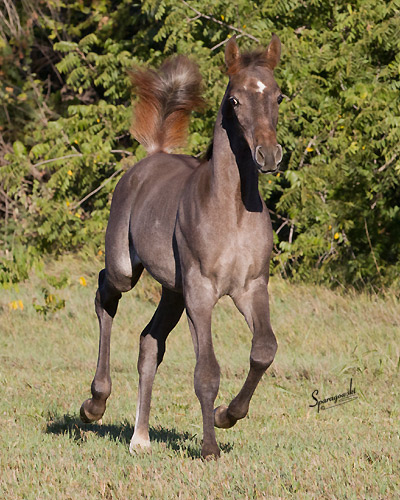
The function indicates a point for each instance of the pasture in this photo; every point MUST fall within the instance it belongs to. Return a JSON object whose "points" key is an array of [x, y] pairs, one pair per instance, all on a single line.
{"points": [[283, 449]]}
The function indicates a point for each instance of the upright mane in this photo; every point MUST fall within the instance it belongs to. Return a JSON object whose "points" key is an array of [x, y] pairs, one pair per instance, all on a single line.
{"points": [[249, 59], [165, 100]]}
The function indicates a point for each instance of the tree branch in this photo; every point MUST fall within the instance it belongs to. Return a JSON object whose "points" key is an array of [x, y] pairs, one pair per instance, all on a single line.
{"points": [[56, 159], [380, 169], [303, 157], [97, 189], [215, 20], [223, 42], [122, 151]]}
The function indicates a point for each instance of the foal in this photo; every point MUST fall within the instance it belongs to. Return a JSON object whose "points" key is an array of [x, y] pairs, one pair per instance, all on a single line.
{"points": [[199, 227]]}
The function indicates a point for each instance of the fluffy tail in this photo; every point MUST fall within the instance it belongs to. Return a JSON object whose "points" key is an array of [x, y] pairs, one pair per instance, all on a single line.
{"points": [[166, 99]]}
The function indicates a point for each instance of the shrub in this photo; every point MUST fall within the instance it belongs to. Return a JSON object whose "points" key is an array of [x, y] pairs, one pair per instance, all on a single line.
{"points": [[66, 114]]}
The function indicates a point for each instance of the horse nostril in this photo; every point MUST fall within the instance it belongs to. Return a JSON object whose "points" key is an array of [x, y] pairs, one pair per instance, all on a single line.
{"points": [[278, 154], [260, 156]]}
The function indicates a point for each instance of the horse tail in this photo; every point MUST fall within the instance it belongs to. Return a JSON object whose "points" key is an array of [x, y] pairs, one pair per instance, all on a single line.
{"points": [[165, 100]]}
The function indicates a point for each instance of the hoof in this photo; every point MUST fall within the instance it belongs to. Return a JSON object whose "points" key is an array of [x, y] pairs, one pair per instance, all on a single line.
{"points": [[222, 419], [92, 410], [139, 445], [210, 452]]}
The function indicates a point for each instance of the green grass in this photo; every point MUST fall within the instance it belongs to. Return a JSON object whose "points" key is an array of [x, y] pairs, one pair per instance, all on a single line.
{"points": [[283, 449]]}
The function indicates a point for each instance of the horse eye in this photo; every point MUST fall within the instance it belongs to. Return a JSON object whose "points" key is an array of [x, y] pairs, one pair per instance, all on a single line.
{"points": [[280, 98], [234, 101]]}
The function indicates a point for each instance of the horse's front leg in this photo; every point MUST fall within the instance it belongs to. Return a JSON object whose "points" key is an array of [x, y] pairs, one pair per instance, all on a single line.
{"points": [[254, 305], [199, 303]]}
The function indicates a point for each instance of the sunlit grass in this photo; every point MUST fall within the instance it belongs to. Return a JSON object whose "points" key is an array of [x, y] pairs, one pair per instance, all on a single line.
{"points": [[283, 449]]}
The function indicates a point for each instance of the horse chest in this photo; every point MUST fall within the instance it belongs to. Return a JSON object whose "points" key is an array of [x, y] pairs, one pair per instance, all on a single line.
{"points": [[243, 256], [230, 255]]}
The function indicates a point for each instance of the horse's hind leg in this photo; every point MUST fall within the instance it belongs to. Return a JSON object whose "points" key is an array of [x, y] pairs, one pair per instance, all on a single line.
{"points": [[151, 352], [254, 305], [106, 303]]}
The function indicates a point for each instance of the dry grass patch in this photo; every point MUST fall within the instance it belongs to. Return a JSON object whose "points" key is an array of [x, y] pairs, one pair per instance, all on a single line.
{"points": [[283, 449]]}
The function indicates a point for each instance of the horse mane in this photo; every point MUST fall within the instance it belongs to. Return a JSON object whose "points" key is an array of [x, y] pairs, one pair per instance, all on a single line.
{"points": [[165, 100], [207, 154], [249, 59]]}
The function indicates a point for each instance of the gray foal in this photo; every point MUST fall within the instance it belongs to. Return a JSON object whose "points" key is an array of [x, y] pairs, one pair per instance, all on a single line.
{"points": [[199, 227]]}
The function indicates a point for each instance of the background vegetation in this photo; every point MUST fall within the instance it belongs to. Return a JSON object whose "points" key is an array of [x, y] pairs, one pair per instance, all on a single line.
{"points": [[284, 449], [66, 106]]}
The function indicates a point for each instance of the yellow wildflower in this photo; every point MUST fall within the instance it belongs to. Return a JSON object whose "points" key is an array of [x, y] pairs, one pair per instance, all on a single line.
{"points": [[309, 149], [336, 236], [16, 304], [222, 17], [82, 281], [70, 173], [329, 227]]}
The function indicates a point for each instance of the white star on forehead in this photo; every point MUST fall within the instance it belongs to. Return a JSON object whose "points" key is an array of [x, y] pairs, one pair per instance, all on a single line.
{"points": [[260, 86]]}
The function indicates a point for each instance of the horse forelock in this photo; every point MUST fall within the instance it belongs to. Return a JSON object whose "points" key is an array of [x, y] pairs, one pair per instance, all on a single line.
{"points": [[247, 60]]}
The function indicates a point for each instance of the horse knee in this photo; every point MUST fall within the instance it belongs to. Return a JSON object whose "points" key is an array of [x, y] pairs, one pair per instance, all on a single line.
{"points": [[262, 356]]}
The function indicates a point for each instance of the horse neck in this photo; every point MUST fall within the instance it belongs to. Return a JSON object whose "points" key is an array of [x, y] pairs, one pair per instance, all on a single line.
{"points": [[234, 178]]}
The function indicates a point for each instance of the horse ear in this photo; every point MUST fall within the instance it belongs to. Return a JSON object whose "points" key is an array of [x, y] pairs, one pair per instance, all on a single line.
{"points": [[273, 52], [232, 53]]}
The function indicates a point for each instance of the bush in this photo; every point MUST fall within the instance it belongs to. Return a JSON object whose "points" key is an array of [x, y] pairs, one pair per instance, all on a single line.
{"points": [[66, 115]]}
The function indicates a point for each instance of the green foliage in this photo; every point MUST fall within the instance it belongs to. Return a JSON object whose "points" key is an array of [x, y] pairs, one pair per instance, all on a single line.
{"points": [[66, 115], [51, 304]]}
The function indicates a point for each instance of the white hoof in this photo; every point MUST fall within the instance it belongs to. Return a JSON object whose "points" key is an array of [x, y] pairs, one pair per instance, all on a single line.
{"points": [[139, 444]]}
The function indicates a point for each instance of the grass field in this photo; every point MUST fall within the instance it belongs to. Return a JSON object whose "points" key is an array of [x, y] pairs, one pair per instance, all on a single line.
{"points": [[283, 449]]}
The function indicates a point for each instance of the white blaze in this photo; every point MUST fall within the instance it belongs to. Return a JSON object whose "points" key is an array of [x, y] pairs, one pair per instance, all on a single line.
{"points": [[260, 86]]}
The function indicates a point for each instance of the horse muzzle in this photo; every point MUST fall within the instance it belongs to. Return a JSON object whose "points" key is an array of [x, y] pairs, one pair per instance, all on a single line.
{"points": [[267, 160]]}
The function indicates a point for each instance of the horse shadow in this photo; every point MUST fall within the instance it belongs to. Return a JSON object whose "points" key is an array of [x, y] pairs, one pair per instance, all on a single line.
{"points": [[182, 443]]}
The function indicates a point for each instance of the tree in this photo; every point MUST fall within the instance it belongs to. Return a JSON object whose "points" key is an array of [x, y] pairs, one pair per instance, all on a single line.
{"points": [[66, 114]]}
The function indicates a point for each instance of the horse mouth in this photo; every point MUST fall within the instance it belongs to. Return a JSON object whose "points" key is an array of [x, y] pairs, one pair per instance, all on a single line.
{"points": [[266, 170]]}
